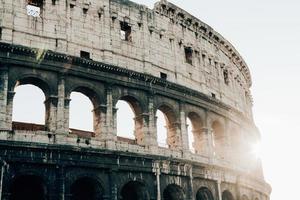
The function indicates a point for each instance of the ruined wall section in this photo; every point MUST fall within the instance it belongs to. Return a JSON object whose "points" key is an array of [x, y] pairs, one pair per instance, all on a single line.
{"points": [[156, 46]]}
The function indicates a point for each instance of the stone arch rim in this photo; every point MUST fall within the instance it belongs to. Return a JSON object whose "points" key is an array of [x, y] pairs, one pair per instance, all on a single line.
{"points": [[43, 85]]}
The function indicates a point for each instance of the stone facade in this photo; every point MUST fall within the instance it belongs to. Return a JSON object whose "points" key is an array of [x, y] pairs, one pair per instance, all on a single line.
{"points": [[161, 59]]}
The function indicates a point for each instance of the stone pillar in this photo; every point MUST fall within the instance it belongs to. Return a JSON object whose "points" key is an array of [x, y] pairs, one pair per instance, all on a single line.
{"points": [[208, 133], [3, 166], [140, 129], [107, 114], [219, 189], [209, 146], [51, 113], [66, 121], [157, 174], [97, 121], [61, 127], [183, 129], [174, 136], [3, 97], [61, 183], [150, 124], [9, 109], [191, 185], [113, 184]]}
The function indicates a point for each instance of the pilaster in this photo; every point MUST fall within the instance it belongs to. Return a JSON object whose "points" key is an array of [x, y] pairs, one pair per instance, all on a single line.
{"points": [[51, 113], [3, 97]]}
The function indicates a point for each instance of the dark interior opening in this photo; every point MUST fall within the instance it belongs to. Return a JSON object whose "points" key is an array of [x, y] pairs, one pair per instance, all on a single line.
{"points": [[125, 31], [84, 54], [28, 187], [173, 192], [188, 55], [134, 191], [86, 189]]}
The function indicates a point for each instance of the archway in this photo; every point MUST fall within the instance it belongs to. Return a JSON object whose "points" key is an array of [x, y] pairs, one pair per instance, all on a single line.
{"points": [[197, 141], [204, 194], [81, 116], [28, 187], [226, 195], [134, 190], [173, 192], [86, 189], [219, 139], [84, 113], [130, 120], [244, 197], [162, 132], [166, 127], [28, 105]]}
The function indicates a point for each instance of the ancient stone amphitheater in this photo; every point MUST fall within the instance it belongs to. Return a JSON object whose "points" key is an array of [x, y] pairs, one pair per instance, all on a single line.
{"points": [[154, 59]]}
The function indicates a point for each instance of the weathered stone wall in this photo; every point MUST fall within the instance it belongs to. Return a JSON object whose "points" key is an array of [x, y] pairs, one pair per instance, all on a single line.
{"points": [[157, 42], [45, 51]]}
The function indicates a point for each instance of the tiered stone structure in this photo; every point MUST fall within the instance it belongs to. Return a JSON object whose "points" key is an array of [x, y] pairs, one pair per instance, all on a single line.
{"points": [[155, 59]]}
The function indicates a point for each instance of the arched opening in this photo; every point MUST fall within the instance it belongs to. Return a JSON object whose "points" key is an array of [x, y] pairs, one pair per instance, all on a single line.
{"points": [[197, 141], [244, 197], [28, 187], [28, 105], [204, 194], [226, 195], [173, 192], [161, 127], [190, 135], [166, 126], [129, 120], [219, 139], [134, 190], [81, 115], [86, 189]]}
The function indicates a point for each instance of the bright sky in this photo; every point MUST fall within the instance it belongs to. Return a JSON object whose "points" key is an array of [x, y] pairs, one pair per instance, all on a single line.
{"points": [[267, 34]]}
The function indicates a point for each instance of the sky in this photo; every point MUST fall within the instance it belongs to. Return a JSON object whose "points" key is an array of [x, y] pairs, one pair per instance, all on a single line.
{"points": [[267, 35]]}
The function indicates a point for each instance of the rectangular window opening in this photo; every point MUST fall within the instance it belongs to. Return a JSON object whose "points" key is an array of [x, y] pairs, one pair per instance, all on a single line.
{"points": [[84, 54], [213, 95], [188, 55], [37, 3], [226, 78], [203, 59], [125, 32], [163, 76]]}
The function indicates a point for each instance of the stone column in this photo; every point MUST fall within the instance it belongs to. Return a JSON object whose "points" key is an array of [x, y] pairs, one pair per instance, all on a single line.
{"points": [[145, 126], [3, 97], [157, 174], [61, 127], [51, 113], [61, 183], [9, 109], [208, 133], [113, 184], [3, 166], [66, 121], [150, 124], [97, 121], [174, 136], [219, 189], [183, 129], [107, 114]]}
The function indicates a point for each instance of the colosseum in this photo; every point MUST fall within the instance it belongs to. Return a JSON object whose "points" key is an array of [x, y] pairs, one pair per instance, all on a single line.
{"points": [[161, 59]]}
